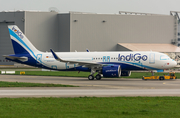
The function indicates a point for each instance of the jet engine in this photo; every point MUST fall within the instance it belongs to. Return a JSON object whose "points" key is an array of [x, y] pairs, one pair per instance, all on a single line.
{"points": [[111, 71]]}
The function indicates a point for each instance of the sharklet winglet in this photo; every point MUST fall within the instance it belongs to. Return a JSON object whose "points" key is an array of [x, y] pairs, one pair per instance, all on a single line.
{"points": [[55, 56]]}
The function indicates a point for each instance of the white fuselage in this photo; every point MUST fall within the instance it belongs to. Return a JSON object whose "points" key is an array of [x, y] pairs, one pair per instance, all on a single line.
{"points": [[127, 60]]}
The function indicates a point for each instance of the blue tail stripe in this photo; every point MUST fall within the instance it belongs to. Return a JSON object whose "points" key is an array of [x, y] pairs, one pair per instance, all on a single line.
{"points": [[20, 40], [18, 49]]}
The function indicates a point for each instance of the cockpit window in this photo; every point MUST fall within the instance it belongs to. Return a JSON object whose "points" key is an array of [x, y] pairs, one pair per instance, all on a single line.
{"points": [[164, 58]]}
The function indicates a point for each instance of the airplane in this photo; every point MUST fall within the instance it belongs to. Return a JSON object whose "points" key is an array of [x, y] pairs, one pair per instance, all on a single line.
{"points": [[108, 64]]}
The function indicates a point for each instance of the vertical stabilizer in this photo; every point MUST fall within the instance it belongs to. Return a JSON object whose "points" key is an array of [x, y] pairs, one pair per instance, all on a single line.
{"points": [[20, 42]]}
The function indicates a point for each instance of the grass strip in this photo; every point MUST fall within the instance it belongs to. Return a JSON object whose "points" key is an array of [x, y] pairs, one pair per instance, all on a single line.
{"points": [[23, 84], [90, 107], [56, 73], [86, 74]]}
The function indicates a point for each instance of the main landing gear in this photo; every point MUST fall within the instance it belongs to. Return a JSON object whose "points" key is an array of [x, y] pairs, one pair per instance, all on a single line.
{"points": [[91, 77]]}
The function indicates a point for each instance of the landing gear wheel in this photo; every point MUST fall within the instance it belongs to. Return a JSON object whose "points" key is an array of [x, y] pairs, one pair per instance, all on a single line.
{"points": [[91, 77], [98, 77], [161, 78]]}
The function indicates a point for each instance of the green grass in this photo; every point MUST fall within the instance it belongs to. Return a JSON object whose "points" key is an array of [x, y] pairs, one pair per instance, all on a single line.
{"points": [[22, 84], [86, 74], [90, 107], [56, 73]]}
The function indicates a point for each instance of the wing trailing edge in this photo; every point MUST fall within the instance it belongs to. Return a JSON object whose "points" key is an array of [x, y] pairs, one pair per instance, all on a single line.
{"points": [[83, 63]]}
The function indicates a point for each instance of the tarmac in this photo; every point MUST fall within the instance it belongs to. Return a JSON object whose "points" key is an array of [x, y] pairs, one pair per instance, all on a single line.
{"points": [[107, 87]]}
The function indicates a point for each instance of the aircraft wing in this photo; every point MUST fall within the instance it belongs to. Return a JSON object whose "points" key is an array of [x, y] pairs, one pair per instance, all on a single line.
{"points": [[15, 58], [83, 63]]}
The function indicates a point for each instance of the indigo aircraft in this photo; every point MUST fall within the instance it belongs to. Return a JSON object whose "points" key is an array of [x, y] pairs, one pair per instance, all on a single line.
{"points": [[108, 64]]}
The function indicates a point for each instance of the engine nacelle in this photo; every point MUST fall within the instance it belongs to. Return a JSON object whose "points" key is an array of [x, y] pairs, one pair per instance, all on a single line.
{"points": [[125, 73], [111, 71]]}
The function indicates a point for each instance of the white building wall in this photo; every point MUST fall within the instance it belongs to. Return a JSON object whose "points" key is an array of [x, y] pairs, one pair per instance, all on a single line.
{"points": [[89, 30]]}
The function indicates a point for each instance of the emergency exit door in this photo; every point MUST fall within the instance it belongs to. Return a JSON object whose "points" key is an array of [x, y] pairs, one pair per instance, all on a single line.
{"points": [[151, 58]]}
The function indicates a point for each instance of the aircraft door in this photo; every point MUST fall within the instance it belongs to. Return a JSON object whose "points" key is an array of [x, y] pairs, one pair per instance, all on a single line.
{"points": [[151, 58], [104, 58]]}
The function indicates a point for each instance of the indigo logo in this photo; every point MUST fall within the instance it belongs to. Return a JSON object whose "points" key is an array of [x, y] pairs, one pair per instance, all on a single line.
{"points": [[131, 57]]}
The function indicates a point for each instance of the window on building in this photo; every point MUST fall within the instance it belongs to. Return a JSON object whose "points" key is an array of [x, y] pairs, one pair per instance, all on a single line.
{"points": [[178, 34], [178, 39], [178, 45]]}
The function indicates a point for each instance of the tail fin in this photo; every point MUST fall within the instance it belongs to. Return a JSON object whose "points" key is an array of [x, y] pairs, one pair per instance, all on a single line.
{"points": [[20, 42]]}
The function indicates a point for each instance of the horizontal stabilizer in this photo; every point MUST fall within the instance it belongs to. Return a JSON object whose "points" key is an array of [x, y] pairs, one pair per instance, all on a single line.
{"points": [[16, 58]]}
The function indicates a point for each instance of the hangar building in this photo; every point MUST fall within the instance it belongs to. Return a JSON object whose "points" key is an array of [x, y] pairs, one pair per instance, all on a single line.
{"points": [[67, 32]]}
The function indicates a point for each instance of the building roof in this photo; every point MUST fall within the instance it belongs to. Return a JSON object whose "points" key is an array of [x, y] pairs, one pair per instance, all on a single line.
{"points": [[150, 47]]}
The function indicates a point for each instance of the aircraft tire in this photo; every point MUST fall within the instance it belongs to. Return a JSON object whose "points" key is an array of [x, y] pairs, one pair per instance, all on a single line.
{"points": [[98, 77], [91, 77], [161, 78]]}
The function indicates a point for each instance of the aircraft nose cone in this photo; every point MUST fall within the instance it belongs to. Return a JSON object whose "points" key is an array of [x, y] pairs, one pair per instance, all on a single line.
{"points": [[175, 63]]}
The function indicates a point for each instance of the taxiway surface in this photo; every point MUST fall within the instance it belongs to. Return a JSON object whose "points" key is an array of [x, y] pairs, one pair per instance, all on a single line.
{"points": [[107, 87]]}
